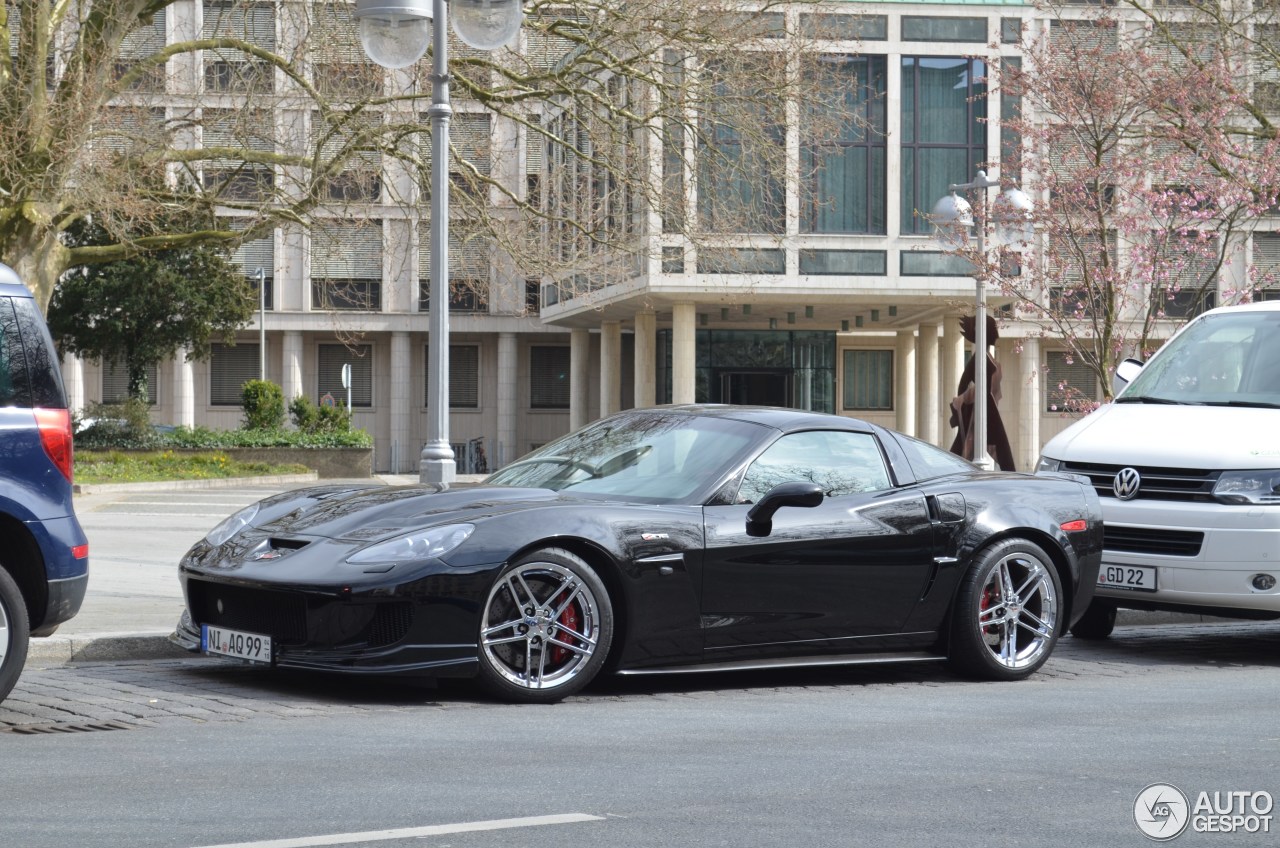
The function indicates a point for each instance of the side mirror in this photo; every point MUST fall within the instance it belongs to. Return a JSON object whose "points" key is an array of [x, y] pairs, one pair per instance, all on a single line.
{"points": [[1125, 373], [760, 518]]}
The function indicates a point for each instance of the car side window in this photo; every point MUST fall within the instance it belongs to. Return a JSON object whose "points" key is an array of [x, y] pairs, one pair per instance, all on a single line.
{"points": [[930, 462], [14, 388], [42, 379], [841, 462]]}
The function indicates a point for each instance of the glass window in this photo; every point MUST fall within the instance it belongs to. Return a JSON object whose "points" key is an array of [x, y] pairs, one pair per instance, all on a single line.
{"points": [[944, 141], [842, 463], [230, 367], [857, 262], [741, 261], [549, 377], [868, 380], [843, 165], [15, 388], [928, 263], [838, 27], [918, 28], [329, 382], [42, 382], [929, 462]]}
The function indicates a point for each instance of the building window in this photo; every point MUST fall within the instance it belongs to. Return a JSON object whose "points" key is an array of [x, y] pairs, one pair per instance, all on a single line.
{"points": [[944, 136], [844, 165], [1069, 383], [929, 263], [868, 380], [862, 263], [230, 367], [115, 382], [741, 166], [549, 377], [729, 260], [838, 27], [329, 380], [346, 265], [229, 71], [464, 376], [919, 28], [468, 270]]}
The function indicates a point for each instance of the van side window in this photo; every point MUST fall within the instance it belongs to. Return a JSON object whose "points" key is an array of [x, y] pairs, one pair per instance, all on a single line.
{"points": [[15, 388], [43, 376]]}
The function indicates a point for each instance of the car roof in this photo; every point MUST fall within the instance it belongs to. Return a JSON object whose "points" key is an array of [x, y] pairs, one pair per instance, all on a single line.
{"points": [[1257, 306], [10, 284], [786, 420]]}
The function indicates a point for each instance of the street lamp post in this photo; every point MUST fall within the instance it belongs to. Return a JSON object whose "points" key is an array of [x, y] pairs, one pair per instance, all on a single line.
{"points": [[261, 274], [953, 217], [394, 34]]}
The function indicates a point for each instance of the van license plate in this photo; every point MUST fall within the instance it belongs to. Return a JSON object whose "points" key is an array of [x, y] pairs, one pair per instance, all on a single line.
{"points": [[1140, 578], [252, 647]]}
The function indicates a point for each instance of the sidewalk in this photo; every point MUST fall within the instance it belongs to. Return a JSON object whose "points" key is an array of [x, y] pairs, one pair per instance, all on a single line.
{"points": [[134, 598]]}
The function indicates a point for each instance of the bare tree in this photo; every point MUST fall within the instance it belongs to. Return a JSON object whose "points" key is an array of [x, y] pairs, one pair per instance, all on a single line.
{"points": [[272, 114]]}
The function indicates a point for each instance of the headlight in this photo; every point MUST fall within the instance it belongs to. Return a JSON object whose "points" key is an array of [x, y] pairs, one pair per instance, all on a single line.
{"points": [[1047, 464], [231, 525], [435, 542], [1249, 487]]}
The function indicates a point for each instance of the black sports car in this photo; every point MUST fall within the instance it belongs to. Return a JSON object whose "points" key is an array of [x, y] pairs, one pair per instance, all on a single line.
{"points": [[670, 539]]}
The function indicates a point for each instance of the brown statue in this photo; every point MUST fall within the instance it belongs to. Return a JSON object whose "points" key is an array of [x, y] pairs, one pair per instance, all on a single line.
{"points": [[962, 404]]}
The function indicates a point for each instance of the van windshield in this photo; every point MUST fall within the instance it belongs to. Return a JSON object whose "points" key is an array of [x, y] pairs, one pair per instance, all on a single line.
{"points": [[1228, 359]]}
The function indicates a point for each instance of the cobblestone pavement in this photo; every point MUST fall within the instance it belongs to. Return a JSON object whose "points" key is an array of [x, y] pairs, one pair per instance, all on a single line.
{"points": [[130, 695]]}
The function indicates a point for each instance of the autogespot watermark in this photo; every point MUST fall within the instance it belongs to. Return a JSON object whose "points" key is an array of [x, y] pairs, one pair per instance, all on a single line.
{"points": [[1162, 811]]}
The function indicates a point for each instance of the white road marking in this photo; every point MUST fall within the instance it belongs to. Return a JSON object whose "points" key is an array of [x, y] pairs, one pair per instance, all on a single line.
{"points": [[412, 832]]}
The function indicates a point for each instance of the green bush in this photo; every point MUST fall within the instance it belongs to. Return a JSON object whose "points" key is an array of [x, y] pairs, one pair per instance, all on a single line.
{"points": [[116, 425], [203, 437], [310, 418], [263, 403]]}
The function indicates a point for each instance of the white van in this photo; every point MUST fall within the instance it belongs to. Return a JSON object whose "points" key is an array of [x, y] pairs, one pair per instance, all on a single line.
{"points": [[1186, 460]]}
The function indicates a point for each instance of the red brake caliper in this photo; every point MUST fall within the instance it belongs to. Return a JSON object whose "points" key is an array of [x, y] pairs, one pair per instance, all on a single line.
{"points": [[569, 619], [989, 596]]}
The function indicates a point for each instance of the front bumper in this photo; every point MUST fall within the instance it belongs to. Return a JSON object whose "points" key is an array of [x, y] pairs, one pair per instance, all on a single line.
{"points": [[1206, 555]]}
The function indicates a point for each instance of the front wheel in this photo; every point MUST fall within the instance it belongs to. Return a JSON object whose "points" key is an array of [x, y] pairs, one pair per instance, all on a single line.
{"points": [[14, 633], [546, 629], [1007, 613]]}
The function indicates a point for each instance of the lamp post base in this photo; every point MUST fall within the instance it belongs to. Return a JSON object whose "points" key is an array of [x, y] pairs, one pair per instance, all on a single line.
{"points": [[437, 470]]}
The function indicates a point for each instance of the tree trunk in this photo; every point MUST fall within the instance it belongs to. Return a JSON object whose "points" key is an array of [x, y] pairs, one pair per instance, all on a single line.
{"points": [[39, 258], [138, 389]]}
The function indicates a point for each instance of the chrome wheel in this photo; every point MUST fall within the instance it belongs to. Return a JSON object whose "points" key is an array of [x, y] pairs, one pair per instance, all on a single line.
{"points": [[545, 626], [1018, 611], [1007, 613]]}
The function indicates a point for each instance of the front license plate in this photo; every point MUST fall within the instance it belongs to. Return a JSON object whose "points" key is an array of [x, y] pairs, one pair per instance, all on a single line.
{"points": [[1139, 578], [253, 647]]}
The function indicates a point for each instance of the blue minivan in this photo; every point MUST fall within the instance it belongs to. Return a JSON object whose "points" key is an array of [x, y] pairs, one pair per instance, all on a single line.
{"points": [[44, 555]]}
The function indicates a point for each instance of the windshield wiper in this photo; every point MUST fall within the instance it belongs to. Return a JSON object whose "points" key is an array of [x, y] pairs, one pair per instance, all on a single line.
{"points": [[1149, 399], [1258, 404]]}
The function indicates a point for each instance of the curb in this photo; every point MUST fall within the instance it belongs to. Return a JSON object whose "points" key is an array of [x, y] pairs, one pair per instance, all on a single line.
{"points": [[176, 485], [104, 647]]}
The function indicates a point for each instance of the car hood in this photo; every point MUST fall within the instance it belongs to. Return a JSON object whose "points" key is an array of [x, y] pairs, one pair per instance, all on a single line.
{"points": [[371, 514], [1209, 437]]}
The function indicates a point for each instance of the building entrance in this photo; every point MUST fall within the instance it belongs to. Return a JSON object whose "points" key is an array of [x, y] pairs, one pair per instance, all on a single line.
{"points": [[755, 388]]}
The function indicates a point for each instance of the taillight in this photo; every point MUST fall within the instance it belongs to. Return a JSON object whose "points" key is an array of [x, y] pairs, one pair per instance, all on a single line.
{"points": [[55, 435]]}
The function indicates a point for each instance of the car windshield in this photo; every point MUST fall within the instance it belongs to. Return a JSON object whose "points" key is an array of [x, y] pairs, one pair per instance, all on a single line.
{"points": [[1229, 359], [653, 456]]}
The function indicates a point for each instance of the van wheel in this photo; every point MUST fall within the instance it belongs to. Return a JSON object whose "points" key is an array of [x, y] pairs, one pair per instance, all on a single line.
{"points": [[1098, 621], [14, 633]]}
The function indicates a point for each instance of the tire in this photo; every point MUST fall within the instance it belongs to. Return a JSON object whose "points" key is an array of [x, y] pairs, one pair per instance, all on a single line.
{"points": [[14, 633], [1098, 621], [1007, 614], [546, 628]]}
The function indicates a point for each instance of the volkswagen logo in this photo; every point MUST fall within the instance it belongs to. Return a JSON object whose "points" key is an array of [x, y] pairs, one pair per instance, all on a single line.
{"points": [[1126, 484]]}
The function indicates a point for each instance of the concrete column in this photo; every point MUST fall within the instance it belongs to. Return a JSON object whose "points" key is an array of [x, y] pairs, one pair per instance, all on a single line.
{"points": [[646, 359], [291, 366], [184, 390], [579, 374], [927, 378], [508, 366], [904, 395], [684, 351], [1026, 442], [73, 378], [610, 367], [952, 355], [404, 453]]}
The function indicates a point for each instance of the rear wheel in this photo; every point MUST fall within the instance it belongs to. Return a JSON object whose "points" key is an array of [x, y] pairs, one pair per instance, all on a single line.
{"points": [[546, 629], [1098, 621], [1007, 613], [14, 633]]}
